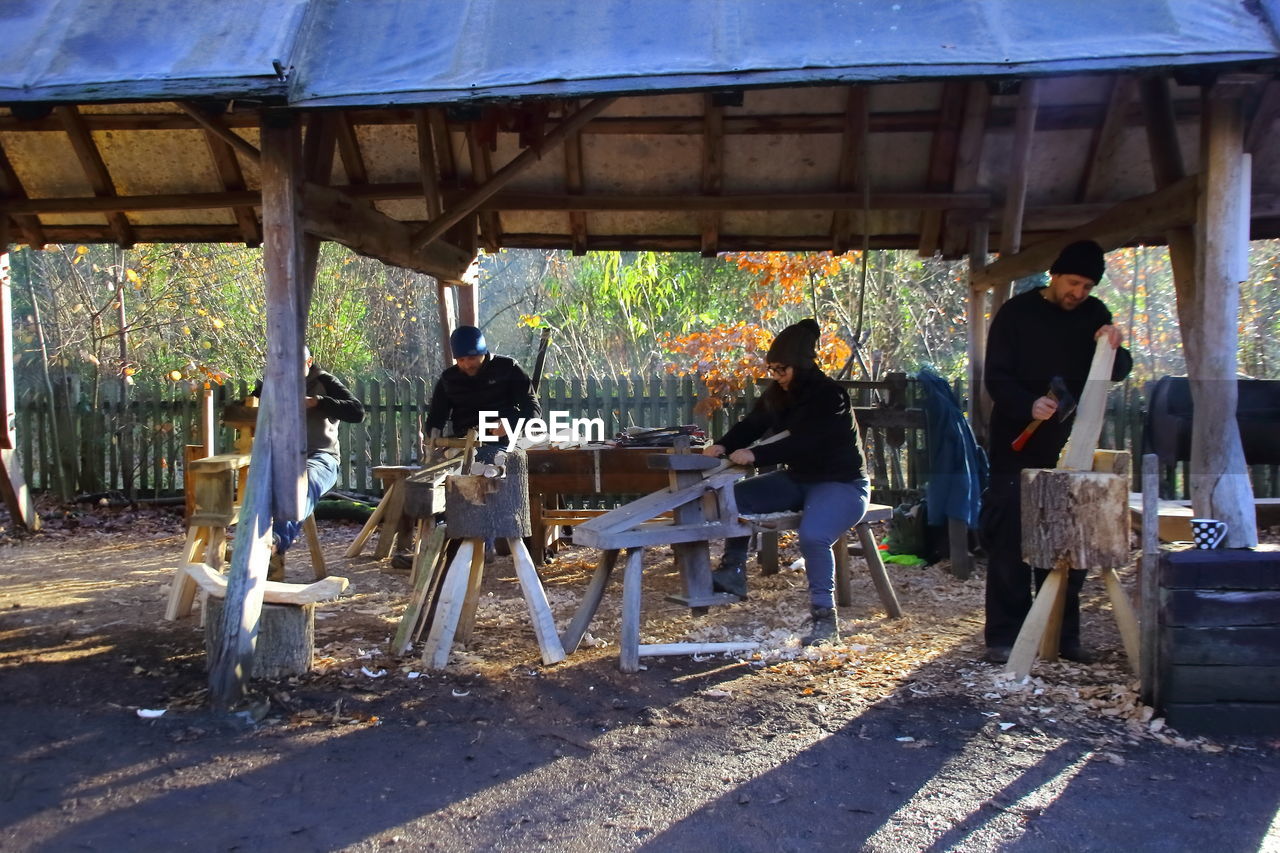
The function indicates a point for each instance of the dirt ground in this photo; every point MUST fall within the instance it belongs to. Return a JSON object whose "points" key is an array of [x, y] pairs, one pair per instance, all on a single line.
{"points": [[896, 739]]}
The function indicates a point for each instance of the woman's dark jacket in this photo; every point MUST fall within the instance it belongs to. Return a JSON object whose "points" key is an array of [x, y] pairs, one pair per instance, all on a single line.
{"points": [[823, 444]]}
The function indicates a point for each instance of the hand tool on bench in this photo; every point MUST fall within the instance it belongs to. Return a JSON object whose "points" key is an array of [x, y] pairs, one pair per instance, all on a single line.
{"points": [[1066, 406], [725, 463]]}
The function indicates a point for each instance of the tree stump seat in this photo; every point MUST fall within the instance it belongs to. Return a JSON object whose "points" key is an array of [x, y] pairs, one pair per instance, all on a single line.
{"points": [[286, 638]]}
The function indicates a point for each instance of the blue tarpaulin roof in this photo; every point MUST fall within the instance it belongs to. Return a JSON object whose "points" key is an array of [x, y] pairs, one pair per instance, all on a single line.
{"points": [[383, 52]]}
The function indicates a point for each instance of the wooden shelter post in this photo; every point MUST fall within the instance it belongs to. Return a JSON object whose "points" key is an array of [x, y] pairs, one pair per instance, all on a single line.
{"points": [[277, 482], [979, 400], [448, 317], [1220, 485], [13, 487]]}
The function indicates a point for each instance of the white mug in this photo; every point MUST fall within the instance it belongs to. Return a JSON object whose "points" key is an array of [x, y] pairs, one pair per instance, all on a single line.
{"points": [[1208, 532]]}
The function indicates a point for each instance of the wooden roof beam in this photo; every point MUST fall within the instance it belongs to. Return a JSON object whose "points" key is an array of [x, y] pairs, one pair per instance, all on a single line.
{"points": [[942, 162], [95, 169], [336, 216], [975, 201], [232, 179], [349, 149], [11, 190], [1019, 167], [712, 171], [1155, 213], [850, 175], [507, 173], [1264, 118], [1106, 139], [1015, 201], [573, 185]]}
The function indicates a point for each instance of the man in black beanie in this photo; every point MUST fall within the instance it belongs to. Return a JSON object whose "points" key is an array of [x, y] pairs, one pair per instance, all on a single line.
{"points": [[1043, 333]]}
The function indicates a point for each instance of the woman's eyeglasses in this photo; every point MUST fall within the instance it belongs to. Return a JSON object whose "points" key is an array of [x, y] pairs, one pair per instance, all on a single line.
{"points": [[778, 369]]}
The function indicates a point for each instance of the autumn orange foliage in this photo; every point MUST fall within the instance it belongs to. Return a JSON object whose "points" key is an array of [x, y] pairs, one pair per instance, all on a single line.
{"points": [[727, 357]]}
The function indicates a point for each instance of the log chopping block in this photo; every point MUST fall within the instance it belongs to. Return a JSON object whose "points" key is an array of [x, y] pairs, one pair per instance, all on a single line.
{"points": [[478, 508], [1073, 519]]}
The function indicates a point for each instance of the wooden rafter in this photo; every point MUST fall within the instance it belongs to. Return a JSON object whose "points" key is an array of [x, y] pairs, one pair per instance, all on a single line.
{"points": [[942, 162], [445, 157], [319, 146], [467, 205], [1167, 168], [853, 142], [973, 132], [1019, 167], [218, 127], [95, 169], [1106, 139], [481, 174], [574, 184], [1157, 212], [11, 190], [712, 172], [232, 178], [1264, 118], [349, 148], [427, 168]]}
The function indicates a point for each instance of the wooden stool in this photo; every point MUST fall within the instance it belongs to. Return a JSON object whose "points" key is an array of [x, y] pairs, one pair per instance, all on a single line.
{"points": [[868, 549], [286, 638], [216, 486], [389, 513]]}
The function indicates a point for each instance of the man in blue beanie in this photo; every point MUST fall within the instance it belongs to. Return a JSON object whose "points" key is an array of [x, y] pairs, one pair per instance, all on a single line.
{"points": [[479, 381]]}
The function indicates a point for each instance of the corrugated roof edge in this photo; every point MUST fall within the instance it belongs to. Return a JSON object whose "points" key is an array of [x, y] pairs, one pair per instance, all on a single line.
{"points": [[271, 89], [790, 77]]}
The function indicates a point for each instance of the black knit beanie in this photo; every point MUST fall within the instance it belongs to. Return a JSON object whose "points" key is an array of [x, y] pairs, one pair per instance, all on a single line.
{"points": [[796, 345], [1083, 257]]}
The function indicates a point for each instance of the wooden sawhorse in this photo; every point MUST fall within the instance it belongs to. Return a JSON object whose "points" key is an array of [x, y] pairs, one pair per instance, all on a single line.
{"points": [[702, 506], [389, 513]]}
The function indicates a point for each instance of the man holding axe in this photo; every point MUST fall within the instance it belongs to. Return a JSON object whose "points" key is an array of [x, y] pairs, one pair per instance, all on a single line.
{"points": [[1039, 351]]}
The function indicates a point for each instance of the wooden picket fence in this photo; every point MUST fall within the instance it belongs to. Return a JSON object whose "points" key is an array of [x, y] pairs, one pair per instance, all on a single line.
{"points": [[146, 438]]}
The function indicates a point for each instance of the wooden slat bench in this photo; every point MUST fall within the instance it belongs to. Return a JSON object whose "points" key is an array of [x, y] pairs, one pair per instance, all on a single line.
{"points": [[869, 550]]}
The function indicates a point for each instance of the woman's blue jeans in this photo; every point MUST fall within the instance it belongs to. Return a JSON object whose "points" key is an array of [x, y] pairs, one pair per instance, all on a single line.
{"points": [[830, 508], [322, 475]]}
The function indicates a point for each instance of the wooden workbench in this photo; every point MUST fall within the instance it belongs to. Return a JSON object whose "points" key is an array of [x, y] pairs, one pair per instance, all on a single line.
{"points": [[595, 470]]}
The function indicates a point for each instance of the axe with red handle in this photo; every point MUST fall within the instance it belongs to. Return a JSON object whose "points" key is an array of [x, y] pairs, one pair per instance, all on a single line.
{"points": [[1066, 405]]}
